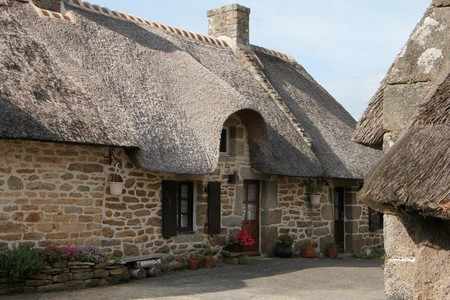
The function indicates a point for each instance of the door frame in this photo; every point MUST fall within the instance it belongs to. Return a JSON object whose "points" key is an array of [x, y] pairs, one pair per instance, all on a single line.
{"points": [[257, 214]]}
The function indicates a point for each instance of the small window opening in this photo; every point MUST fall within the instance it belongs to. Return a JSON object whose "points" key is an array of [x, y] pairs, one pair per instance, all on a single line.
{"points": [[224, 141]]}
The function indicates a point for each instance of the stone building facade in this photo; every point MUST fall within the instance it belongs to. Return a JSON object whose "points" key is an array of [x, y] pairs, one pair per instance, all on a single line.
{"points": [[408, 119], [59, 192], [163, 126]]}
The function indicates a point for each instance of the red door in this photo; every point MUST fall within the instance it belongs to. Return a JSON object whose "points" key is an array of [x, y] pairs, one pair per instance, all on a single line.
{"points": [[251, 214]]}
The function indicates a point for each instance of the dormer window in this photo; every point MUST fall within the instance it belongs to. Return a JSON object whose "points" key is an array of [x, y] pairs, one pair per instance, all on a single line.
{"points": [[225, 141]]}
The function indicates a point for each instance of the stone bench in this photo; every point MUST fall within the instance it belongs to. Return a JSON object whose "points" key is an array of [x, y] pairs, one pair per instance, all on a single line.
{"points": [[143, 266]]}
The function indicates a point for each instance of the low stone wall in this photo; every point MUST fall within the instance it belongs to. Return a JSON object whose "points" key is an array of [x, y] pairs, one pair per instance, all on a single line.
{"points": [[64, 276]]}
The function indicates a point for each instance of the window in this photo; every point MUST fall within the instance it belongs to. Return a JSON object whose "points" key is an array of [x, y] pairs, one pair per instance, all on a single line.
{"points": [[375, 220], [178, 207], [224, 141], [184, 207]]}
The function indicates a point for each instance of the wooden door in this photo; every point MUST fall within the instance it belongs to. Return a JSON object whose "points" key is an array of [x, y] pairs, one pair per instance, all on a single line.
{"points": [[339, 230], [251, 213]]}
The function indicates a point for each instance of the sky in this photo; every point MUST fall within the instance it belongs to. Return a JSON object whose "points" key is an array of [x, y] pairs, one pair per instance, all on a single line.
{"points": [[346, 45]]}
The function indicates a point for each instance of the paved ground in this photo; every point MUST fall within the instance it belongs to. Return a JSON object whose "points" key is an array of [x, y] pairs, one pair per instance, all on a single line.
{"points": [[266, 278]]}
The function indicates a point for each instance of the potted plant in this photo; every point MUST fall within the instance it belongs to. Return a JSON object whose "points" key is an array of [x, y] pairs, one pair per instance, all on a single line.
{"points": [[241, 239], [330, 250], [307, 250], [208, 255], [283, 248], [315, 188], [116, 184], [193, 261]]}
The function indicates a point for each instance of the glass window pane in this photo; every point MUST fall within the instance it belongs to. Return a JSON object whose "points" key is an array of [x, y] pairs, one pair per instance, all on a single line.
{"points": [[251, 192], [184, 221], [251, 211], [184, 206], [184, 191]]}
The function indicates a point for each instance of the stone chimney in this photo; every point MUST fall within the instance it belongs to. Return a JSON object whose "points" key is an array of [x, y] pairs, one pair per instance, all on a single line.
{"points": [[231, 21]]}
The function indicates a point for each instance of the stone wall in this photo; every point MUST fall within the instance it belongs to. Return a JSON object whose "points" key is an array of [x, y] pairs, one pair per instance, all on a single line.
{"points": [[66, 276], [58, 192], [418, 260], [358, 237], [414, 269]]}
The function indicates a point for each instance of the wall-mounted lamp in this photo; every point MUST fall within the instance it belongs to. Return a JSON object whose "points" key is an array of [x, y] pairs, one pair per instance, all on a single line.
{"points": [[233, 178], [111, 159]]}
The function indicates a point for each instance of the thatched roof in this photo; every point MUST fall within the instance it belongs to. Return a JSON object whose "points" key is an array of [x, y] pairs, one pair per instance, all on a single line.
{"points": [[160, 92], [420, 60], [327, 123], [415, 174]]}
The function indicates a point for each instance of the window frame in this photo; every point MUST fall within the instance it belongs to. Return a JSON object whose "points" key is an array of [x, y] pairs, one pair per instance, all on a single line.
{"points": [[190, 213]]}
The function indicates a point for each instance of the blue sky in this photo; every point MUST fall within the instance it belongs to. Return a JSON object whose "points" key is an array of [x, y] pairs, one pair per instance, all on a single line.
{"points": [[346, 45]]}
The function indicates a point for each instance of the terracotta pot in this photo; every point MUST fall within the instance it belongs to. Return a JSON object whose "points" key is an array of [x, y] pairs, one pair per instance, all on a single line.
{"points": [[308, 252], [283, 251], [331, 252], [209, 261], [193, 264]]}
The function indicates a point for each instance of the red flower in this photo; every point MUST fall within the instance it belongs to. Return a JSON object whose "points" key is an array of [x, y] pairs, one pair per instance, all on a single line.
{"points": [[244, 238]]}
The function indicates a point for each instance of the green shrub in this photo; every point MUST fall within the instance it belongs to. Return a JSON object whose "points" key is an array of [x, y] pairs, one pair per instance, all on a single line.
{"points": [[19, 263], [286, 239], [245, 260]]}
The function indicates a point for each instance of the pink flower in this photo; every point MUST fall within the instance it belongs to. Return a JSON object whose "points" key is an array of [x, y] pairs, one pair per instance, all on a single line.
{"points": [[244, 238]]}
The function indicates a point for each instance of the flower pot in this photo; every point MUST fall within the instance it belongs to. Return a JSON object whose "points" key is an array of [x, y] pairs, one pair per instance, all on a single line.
{"points": [[315, 200], [331, 252], [308, 252], [116, 188], [193, 264], [283, 251], [209, 261]]}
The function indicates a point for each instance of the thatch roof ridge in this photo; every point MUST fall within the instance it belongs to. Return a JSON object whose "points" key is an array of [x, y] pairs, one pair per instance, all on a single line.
{"points": [[275, 53], [130, 18]]}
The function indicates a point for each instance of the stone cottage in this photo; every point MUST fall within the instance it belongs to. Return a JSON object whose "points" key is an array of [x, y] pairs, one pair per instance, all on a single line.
{"points": [[210, 134], [409, 118]]}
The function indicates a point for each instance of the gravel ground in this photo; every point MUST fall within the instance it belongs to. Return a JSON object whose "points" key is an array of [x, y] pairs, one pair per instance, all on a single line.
{"points": [[265, 278]]}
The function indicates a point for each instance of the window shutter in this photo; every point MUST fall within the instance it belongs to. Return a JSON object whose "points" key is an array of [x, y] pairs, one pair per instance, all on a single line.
{"points": [[214, 210], [169, 208]]}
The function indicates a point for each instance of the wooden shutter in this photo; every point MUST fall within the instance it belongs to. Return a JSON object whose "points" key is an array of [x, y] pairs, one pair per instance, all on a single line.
{"points": [[169, 208], [214, 210]]}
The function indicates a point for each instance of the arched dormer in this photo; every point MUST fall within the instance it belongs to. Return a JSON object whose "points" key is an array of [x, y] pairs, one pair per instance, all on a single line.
{"points": [[244, 137]]}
